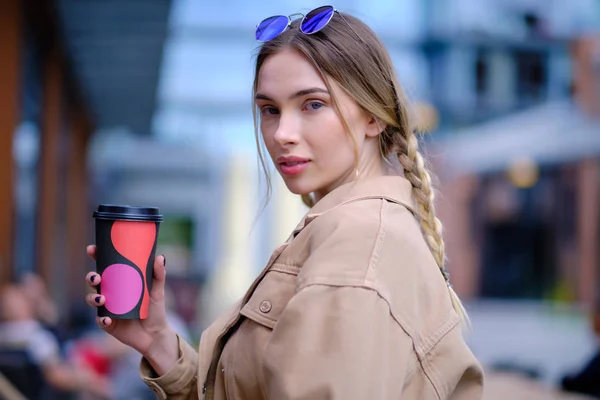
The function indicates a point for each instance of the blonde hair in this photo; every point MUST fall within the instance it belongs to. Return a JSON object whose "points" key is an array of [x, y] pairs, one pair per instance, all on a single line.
{"points": [[348, 52]]}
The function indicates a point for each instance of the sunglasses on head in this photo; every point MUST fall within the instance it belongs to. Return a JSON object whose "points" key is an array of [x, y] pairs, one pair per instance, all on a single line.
{"points": [[313, 22]]}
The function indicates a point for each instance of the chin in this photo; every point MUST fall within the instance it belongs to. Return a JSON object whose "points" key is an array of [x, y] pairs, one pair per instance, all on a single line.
{"points": [[299, 187]]}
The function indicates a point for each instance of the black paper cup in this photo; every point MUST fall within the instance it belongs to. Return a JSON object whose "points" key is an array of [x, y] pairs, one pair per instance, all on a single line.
{"points": [[125, 250]]}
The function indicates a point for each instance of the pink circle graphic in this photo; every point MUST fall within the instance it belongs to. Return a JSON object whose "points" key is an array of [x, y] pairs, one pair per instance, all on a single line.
{"points": [[122, 287]]}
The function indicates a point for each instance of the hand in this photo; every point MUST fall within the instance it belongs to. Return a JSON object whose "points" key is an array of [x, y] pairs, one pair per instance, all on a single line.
{"points": [[144, 335]]}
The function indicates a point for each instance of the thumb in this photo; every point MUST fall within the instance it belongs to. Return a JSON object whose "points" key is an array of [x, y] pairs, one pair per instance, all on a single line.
{"points": [[160, 275]]}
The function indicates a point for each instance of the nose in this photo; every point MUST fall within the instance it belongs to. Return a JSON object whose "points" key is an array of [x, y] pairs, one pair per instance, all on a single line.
{"points": [[288, 131]]}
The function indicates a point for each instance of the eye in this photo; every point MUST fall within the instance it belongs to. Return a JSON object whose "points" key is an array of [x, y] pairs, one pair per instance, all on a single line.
{"points": [[268, 110], [313, 105]]}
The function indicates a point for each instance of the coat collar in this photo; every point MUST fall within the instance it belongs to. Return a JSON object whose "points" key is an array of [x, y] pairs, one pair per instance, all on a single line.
{"points": [[394, 188]]}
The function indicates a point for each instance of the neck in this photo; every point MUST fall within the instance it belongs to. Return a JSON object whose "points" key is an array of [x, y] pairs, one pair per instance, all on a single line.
{"points": [[374, 167]]}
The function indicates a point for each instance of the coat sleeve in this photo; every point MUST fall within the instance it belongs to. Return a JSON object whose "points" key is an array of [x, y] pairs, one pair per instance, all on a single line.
{"points": [[180, 382], [337, 343]]}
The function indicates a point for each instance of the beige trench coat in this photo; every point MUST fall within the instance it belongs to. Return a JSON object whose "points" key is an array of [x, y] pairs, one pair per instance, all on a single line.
{"points": [[352, 306]]}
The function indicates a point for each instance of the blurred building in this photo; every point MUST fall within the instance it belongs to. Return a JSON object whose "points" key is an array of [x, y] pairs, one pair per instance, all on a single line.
{"points": [[521, 192], [46, 124], [70, 69], [516, 85]]}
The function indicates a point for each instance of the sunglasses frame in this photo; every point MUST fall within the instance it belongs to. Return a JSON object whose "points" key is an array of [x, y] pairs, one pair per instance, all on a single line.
{"points": [[290, 20]]}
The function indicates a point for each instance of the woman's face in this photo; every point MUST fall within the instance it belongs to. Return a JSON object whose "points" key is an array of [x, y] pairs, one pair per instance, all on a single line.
{"points": [[303, 131]]}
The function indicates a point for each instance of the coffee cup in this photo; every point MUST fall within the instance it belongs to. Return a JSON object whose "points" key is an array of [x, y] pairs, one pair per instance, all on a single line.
{"points": [[126, 239]]}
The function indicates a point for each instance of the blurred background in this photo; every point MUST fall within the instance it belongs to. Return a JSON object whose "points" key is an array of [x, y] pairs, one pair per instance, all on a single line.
{"points": [[149, 103]]}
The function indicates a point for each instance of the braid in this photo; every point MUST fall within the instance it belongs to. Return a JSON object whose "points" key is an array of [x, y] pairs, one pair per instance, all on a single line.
{"points": [[420, 178]]}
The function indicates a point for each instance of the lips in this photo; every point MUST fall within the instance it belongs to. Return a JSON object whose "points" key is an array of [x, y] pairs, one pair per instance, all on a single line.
{"points": [[291, 159], [292, 165]]}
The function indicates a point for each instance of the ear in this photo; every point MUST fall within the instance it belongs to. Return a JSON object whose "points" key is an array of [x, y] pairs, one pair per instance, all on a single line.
{"points": [[375, 127]]}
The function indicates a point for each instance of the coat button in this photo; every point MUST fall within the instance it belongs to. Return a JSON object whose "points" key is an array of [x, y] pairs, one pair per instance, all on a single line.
{"points": [[265, 306]]}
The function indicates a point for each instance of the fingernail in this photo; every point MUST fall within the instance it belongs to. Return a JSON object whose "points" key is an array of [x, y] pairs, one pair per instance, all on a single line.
{"points": [[164, 261], [104, 321], [98, 298], [92, 278]]}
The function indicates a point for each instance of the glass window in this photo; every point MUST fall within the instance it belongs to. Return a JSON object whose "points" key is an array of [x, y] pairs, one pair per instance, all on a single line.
{"points": [[532, 76]]}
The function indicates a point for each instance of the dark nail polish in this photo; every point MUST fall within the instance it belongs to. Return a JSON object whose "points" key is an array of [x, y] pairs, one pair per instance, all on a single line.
{"points": [[92, 278], [98, 298], [164, 261]]}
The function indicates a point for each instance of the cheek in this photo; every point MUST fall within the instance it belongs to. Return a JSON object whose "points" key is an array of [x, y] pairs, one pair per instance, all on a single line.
{"points": [[333, 147], [266, 135], [270, 150]]}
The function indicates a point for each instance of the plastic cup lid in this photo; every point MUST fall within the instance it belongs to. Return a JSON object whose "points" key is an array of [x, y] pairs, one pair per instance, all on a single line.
{"points": [[130, 213]]}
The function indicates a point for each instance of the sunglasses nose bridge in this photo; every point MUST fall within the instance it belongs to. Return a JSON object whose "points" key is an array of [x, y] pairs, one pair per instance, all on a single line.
{"points": [[296, 16]]}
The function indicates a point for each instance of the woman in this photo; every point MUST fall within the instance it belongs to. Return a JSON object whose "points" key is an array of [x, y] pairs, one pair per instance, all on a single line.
{"points": [[356, 304]]}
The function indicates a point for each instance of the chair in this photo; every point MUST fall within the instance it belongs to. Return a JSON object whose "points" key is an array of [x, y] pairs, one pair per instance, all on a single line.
{"points": [[18, 368]]}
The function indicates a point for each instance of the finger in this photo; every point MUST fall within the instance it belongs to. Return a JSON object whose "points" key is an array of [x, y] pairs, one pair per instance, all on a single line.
{"points": [[95, 300], [91, 251], [160, 275], [103, 322], [93, 278]]}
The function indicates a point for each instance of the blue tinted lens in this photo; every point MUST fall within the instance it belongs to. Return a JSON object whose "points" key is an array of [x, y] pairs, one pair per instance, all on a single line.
{"points": [[316, 19], [271, 28]]}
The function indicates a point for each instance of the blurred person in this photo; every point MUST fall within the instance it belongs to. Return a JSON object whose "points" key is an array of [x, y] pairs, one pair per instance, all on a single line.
{"points": [[20, 330], [357, 303], [586, 380], [37, 292], [83, 345], [80, 323], [44, 306]]}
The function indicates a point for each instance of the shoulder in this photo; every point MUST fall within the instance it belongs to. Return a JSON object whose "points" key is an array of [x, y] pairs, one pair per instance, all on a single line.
{"points": [[343, 243], [347, 220], [362, 221]]}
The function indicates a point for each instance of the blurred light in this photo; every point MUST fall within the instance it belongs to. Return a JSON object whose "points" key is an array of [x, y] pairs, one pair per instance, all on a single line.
{"points": [[426, 117], [523, 173], [26, 144]]}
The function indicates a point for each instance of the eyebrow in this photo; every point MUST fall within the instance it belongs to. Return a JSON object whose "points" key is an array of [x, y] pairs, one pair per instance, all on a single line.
{"points": [[304, 92]]}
